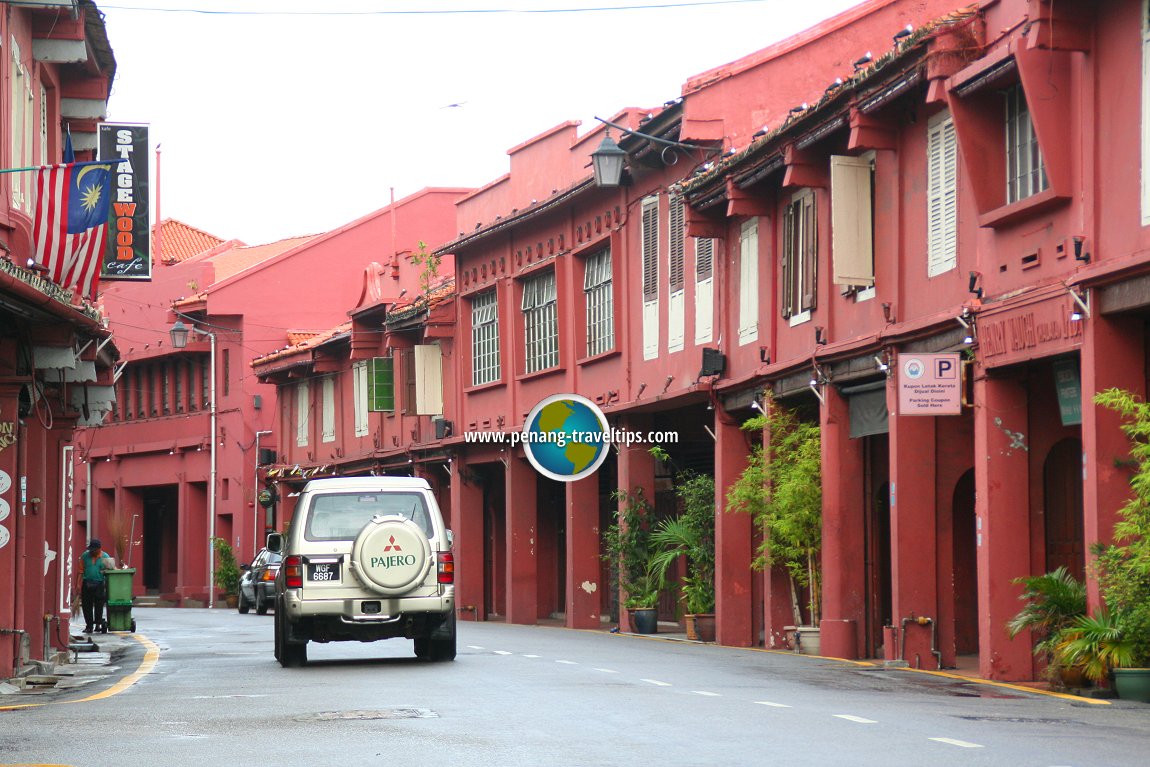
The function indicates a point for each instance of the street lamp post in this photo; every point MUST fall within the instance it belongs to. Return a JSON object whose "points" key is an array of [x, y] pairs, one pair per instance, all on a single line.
{"points": [[179, 334], [257, 509]]}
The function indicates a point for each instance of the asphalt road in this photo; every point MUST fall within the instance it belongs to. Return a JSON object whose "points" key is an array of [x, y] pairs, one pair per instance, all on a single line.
{"points": [[522, 695]]}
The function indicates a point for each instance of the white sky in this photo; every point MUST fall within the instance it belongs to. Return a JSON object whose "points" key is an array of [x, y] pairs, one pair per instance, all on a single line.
{"points": [[286, 117]]}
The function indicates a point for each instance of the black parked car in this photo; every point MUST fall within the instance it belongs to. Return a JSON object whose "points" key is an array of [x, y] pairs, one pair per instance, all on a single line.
{"points": [[258, 583]]}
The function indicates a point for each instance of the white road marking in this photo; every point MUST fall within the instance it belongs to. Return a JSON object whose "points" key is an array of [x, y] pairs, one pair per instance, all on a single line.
{"points": [[607, 670], [213, 697], [530, 656], [474, 647], [568, 662], [656, 682], [500, 652], [708, 694], [961, 743], [858, 719], [768, 703]]}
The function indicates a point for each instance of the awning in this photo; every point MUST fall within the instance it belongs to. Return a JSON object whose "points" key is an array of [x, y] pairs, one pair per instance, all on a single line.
{"points": [[48, 357]]}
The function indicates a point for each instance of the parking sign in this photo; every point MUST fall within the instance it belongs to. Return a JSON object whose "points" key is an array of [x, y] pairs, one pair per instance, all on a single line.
{"points": [[929, 384]]}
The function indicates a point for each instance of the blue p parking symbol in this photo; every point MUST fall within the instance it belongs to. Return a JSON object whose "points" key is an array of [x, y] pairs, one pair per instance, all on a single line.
{"points": [[945, 368]]}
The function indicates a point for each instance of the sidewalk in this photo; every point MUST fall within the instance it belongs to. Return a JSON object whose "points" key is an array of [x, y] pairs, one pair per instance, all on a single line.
{"points": [[92, 657]]}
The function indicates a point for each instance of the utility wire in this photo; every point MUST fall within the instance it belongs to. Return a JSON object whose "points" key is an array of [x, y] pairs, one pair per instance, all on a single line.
{"points": [[434, 11]]}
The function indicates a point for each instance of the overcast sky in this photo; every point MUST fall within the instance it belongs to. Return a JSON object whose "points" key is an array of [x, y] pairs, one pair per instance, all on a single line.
{"points": [[285, 117]]}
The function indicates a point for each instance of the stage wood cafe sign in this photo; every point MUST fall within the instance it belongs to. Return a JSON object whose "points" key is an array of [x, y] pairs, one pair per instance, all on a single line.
{"points": [[1033, 331]]}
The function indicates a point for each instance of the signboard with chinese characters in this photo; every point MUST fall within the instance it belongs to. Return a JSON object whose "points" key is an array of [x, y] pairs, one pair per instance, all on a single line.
{"points": [[128, 256], [929, 384]]}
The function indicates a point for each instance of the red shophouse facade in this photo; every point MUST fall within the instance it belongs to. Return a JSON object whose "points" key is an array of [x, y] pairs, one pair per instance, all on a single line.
{"points": [[56, 356], [155, 460]]}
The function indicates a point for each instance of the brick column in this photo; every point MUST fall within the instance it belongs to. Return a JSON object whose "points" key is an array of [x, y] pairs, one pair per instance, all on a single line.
{"points": [[467, 527], [636, 470]]}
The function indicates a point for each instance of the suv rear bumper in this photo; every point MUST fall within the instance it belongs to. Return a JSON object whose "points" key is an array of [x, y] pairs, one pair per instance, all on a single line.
{"points": [[335, 620]]}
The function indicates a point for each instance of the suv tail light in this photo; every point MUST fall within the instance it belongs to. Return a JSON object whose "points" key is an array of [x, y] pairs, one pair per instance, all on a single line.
{"points": [[293, 572], [445, 569]]}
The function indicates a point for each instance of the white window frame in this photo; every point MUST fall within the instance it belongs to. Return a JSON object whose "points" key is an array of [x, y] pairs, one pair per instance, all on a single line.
{"points": [[942, 195], [328, 389], [540, 323], [599, 297], [1025, 167], [359, 395], [799, 246], [302, 413], [485, 367], [749, 281], [649, 282]]}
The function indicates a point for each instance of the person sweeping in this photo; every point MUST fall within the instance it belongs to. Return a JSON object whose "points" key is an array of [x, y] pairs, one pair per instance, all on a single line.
{"points": [[92, 585]]}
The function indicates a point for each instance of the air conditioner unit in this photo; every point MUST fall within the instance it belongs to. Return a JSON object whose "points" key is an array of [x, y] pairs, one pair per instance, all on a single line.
{"points": [[714, 363], [442, 426]]}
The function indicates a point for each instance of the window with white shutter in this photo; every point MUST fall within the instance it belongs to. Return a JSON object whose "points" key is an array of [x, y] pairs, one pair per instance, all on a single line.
{"points": [[749, 282], [800, 257], [852, 220], [676, 297], [302, 412], [704, 290], [650, 244], [942, 195], [329, 409], [359, 396]]}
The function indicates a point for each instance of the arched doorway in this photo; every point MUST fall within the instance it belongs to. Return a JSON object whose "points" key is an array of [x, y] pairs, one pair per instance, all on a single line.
{"points": [[965, 574]]}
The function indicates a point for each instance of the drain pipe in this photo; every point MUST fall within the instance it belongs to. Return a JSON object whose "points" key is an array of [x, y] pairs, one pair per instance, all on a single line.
{"points": [[921, 620], [21, 635]]}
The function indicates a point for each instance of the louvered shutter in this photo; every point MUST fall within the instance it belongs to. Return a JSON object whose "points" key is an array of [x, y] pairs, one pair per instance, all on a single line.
{"points": [[789, 253], [942, 196], [852, 238], [809, 253], [676, 241]]}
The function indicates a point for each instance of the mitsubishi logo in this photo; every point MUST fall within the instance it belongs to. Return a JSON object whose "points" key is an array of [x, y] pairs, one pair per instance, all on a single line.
{"points": [[392, 545]]}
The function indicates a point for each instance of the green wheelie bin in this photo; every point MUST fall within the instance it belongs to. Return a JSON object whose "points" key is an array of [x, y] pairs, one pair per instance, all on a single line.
{"points": [[120, 599]]}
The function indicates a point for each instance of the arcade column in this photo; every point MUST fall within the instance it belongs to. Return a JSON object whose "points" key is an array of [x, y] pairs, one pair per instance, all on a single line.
{"points": [[522, 534]]}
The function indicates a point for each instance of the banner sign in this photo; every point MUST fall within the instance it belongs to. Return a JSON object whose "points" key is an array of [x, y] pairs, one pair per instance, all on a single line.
{"points": [[129, 224], [929, 384]]}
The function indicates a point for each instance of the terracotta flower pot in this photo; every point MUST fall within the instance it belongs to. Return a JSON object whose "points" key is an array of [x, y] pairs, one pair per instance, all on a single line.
{"points": [[701, 627]]}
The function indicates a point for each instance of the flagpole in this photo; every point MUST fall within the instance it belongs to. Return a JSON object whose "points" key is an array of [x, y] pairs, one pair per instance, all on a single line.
{"points": [[108, 163]]}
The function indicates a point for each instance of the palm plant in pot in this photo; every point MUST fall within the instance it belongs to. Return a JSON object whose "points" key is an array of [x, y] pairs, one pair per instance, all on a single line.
{"points": [[781, 487], [1054, 601], [1115, 641], [691, 534], [629, 551]]}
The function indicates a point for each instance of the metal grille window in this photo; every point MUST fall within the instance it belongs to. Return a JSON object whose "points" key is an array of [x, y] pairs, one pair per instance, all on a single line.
{"points": [[600, 303], [178, 379], [484, 339], [206, 380], [1025, 171], [540, 323]]}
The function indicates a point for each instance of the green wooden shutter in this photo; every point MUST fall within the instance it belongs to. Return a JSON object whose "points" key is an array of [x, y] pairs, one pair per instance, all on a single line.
{"points": [[380, 385]]}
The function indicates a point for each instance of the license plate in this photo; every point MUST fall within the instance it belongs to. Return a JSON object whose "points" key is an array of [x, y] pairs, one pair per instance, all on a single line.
{"points": [[325, 571]]}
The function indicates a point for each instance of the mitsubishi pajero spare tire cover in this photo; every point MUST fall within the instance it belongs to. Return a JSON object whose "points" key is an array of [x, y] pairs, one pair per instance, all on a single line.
{"points": [[391, 555]]}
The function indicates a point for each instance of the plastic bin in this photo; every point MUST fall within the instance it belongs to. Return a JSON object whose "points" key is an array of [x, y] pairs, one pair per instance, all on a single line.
{"points": [[120, 599]]}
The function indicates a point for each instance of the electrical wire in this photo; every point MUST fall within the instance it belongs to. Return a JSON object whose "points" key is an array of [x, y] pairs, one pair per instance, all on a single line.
{"points": [[434, 11]]}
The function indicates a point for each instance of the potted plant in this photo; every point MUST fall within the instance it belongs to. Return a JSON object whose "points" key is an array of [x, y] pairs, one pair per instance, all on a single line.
{"points": [[1116, 640], [1054, 601], [630, 551], [781, 487], [692, 535], [227, 571]]}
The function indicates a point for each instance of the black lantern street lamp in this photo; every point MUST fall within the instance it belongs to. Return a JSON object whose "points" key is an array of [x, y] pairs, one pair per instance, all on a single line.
{"points": [[608, 162], [179, 334]]}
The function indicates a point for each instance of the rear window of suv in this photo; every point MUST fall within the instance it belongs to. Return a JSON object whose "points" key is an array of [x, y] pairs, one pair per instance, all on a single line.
{"points": [[340, 516]]}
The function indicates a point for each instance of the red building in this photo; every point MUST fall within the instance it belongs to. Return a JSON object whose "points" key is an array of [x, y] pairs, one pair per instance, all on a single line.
{"points": [[176, 461], [56, 356]]}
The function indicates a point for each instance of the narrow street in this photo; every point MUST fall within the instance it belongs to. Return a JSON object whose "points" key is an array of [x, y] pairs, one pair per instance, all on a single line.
{"points": [[523, 695]]}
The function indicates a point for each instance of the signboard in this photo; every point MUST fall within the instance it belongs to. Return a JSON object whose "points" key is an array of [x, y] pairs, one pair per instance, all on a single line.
{"points": [[1068, 384], [929, 384], [129, 225]]}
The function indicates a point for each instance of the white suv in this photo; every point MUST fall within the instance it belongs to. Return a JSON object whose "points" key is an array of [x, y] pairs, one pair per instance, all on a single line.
{"points": [[365, 558]]}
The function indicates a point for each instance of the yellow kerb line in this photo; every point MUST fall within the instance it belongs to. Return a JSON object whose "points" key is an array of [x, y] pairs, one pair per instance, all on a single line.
{"points": [[151, 655]]}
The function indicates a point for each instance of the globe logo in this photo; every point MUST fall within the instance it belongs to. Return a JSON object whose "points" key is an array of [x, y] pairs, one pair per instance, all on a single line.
{"points": [[566, 437]]}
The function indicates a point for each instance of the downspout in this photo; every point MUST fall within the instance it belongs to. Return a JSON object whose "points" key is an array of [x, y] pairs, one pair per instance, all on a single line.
{"points": [[922, 620], [212, 482], [256, 508]]}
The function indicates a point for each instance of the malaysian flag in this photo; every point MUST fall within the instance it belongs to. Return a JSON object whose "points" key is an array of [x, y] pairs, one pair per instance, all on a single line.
{"points": [[70, 229]]}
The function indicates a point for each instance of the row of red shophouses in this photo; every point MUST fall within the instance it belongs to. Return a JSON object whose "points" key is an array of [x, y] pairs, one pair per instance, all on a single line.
{"points": [[906, 178]]}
